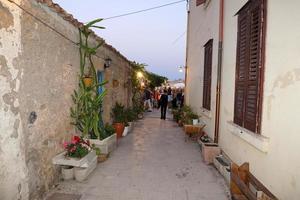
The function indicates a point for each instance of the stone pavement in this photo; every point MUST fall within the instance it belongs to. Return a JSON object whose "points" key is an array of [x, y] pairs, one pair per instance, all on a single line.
{"points": [[152, 163]]}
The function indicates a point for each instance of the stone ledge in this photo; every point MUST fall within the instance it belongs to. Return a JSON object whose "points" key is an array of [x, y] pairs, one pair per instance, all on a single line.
{"points": [[258, 141]]}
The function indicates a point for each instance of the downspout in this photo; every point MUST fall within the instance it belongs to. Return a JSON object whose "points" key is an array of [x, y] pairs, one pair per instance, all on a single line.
{"points": [[219, 71], [187, 48]]}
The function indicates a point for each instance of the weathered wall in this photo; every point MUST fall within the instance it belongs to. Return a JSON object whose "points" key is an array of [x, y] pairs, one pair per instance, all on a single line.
{"points": [[39, 71], [13, 171], [203, 26], [273, 155]]}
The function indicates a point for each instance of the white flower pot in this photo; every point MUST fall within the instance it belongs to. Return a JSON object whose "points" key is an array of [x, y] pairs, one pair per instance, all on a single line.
{"points": [[67, 172], [126, 130], [82, 173], [195, 121], [107, 145], [131, 126]]}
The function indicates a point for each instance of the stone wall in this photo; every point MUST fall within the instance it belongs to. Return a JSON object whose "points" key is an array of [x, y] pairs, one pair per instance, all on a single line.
{"points": [[39, 71]]}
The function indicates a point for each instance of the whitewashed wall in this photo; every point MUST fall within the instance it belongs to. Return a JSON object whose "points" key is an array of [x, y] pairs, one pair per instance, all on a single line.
{"points": [[203, 26], [274, 156]]}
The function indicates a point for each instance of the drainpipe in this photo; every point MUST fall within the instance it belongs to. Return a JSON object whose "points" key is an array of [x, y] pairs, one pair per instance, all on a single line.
{"points": [[219, 71], [187, 48]]}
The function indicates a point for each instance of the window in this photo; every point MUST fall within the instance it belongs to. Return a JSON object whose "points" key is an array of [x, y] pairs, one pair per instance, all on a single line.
{"points": [[249, 65], [199, 2], [207, 74]]}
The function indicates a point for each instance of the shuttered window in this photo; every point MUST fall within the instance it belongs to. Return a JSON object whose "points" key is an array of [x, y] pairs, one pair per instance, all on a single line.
{"points": [[207, 74], [249, 65], [199, 2]]}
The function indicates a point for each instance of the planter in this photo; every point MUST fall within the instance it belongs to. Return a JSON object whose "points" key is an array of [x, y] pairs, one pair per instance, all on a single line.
{"points": [[84, 162], [210, 151], [223, 167], [67, 172], [107, 145], [194, 131], [131, 126], [82, 173], [126, 131], [102, 157], [119, 127], [195, 121], [88, 81]]}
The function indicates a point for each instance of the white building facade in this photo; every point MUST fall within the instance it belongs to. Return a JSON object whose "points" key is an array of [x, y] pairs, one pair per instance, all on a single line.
{"points": [[243, 78]]}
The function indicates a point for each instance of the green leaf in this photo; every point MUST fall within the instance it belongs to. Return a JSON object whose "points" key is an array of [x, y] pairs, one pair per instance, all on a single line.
{"points": [[99, 27], [93, 22]]}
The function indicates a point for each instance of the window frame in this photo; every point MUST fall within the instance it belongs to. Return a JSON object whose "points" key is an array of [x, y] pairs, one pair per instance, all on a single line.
{"points": [[247, 9], [200, 2], [207, 74]]}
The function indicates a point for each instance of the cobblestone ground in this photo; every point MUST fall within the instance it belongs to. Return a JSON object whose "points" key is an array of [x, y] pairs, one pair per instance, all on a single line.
{"points": [[152, 163]]}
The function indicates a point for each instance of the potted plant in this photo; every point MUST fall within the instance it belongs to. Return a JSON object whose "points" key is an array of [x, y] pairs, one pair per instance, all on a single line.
{"points": [[118, 114], [130, 117], [78, 154], [86, 111], [107, 140]]}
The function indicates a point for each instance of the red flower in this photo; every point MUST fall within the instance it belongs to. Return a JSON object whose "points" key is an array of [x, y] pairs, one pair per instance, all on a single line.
{"points": [[75, 139]]}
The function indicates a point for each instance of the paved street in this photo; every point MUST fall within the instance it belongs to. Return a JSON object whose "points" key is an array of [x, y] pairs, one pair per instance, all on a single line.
{"points": [[152, 163]]}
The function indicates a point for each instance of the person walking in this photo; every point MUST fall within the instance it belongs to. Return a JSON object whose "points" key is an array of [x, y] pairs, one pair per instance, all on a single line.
{"points": [[163, 104], [147, 102]]}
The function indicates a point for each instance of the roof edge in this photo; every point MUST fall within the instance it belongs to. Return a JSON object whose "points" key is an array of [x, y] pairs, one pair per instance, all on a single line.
{"points": [[69, 17]]}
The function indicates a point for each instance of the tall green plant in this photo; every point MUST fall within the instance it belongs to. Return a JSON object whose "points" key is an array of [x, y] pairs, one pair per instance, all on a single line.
{"points": [[118, 113], [86, 112]]}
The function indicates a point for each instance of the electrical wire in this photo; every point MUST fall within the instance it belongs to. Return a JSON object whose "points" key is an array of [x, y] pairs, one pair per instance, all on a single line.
{"points": [[177, 39], [49, 26], [144, 10]]}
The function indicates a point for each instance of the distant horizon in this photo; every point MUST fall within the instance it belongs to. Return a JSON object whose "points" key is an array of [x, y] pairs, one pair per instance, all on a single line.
{"points": [[156, 38]]}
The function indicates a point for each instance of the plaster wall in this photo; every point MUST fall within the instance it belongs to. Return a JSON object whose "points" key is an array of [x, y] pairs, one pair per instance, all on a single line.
{"points": [[13, 170], [278, 165], [39, 71], [273, 155], [203, 26]]}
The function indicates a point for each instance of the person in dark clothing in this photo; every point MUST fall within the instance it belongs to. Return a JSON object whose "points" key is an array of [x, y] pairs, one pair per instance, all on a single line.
{"points": [[163, 104], [179, 98]]}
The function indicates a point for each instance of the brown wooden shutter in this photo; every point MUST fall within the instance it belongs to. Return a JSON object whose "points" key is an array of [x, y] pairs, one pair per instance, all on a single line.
{"points": [[207, 74], [241, 68], [252, 102], [199, 2], [249, 68]]}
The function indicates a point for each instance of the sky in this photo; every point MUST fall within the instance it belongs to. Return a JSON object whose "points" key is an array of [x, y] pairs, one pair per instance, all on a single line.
{"points": [[156, 38]]}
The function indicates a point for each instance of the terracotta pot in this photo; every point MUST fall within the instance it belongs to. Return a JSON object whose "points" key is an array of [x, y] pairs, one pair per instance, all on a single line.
{"points": [[119, 127], [88, 81]]}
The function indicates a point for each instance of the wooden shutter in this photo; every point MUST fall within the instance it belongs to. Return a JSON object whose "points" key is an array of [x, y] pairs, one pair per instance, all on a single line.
{"points": [[252, 102], [199, 2], [249, 68], [207, 74], [241, 68]]}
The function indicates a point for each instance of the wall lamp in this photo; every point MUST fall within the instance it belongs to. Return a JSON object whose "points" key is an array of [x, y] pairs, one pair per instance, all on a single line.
{"points": [[107, 63]]}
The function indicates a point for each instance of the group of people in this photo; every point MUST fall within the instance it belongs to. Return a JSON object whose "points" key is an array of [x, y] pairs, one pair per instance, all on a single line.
{"points": [[162, 99]]}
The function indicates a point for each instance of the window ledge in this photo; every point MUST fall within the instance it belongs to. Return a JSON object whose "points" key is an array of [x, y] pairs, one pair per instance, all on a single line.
{"points": [[206, 113], [258, 141]]}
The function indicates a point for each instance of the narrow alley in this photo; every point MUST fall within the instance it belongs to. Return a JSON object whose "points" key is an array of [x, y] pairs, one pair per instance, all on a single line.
{"points": [[152, 163]]}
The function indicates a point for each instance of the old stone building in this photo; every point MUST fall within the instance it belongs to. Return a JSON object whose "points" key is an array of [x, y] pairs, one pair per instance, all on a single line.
{"points": [[39, 65]]}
